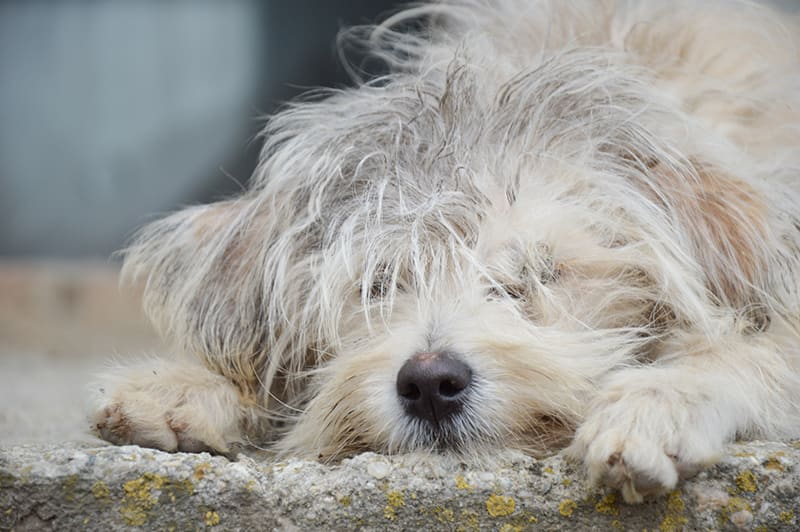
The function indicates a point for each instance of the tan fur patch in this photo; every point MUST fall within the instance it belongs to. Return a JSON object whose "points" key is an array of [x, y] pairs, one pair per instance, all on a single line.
{"points": [[725, 218], [735, 216]]}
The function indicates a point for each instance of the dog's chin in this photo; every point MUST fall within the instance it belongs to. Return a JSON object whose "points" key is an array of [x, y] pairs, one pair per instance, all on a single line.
{"points": [[474, 438], [458, 436], [442, 437]]}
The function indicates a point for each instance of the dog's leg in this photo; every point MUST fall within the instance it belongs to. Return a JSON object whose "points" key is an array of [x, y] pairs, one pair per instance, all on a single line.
{"points": [[174, 406], [202, 271], [653, 425]]}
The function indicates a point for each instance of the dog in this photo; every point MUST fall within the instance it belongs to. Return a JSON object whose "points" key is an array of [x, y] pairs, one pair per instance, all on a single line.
{"points": [[551, 225]]}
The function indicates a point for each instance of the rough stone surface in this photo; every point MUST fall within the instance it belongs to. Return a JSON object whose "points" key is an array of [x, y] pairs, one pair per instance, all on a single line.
{"points": [[756, 486]]}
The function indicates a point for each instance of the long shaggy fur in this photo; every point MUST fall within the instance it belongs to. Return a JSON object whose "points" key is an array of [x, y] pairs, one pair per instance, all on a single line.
{"points": [[593, 202]]}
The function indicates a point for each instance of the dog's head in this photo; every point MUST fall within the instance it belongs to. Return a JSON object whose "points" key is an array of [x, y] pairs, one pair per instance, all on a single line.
{"points": [[472, 330], [452, 263]]}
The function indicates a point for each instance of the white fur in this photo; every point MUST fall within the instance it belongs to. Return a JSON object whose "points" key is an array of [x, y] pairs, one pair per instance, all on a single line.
{"points": [[594, 202]]}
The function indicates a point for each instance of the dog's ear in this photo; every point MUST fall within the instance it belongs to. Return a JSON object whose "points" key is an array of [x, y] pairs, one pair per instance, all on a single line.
{"points": [[203, 284], [723, 218]]}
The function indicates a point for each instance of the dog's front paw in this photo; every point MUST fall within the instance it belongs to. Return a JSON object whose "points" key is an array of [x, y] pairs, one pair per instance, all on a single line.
{"points": [[643, 442], [632, 463], [190, 411], [129, 421]]}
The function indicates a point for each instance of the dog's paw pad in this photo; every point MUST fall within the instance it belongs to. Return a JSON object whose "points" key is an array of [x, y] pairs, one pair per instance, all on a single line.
{"points": [[635, 466], [111, 425], [144, 426]]}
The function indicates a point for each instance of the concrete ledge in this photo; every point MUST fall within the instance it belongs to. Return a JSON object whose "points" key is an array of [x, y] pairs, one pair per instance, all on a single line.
{"points": [[72, 487]]}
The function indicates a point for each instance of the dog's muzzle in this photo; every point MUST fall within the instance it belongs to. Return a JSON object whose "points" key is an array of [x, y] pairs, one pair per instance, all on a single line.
{"points": [[433, 386]]}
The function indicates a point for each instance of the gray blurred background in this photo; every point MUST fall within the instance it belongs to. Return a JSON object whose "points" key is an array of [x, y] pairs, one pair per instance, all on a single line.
{"points": [[112, 112]]}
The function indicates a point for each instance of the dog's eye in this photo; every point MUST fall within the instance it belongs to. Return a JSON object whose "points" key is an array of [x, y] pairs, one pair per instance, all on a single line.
{"points": [[547, 269], [549, 272], [380, 287], [514, 291], [531, 269]]}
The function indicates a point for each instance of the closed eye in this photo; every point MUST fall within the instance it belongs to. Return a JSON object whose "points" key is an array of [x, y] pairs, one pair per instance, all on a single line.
{"points": [[383, 284], [549, 273], [379, 288], [547, 269], [535, 270], [507, 290]]}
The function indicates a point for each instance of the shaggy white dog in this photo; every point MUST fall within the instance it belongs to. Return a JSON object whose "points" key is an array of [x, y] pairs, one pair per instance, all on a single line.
{"points": [[554, 223]]}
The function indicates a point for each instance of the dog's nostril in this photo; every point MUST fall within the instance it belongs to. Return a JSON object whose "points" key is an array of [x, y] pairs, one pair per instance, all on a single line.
{"points": [[432, 386], [409, 391], [452, 387]]}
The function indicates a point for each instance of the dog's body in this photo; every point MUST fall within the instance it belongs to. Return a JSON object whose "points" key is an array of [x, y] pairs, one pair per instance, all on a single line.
{"points": [[553, 222]]}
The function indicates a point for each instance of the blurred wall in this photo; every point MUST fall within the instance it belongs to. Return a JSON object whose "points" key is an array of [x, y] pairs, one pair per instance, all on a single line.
{"points": [[112, 112], [115, 111]]}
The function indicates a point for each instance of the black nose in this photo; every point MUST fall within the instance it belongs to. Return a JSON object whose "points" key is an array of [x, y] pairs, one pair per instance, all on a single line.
{"points": [[432, 386]]}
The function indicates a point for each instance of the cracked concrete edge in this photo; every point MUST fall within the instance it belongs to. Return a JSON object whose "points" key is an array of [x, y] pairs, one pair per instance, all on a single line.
{"points": [[755, 486]]}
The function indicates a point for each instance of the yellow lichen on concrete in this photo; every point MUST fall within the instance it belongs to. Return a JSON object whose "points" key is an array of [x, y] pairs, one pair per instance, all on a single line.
{"points": [[201, 470], [443, 514], [746, 481], [608, 505], [735, 504], [69, 487], [500, 506], [212, 518], [462, 484], [510, 528], [139, 498], [141, 494], [394, 500], [100, 491], [787, 516], [566, 507], [774, 464], [389, 513], [675, 502], [345, 500], [548, 470], [674, 520], [469, 520]]}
